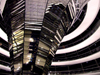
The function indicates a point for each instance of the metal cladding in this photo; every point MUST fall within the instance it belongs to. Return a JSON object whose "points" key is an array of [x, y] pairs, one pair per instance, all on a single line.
{"points": [[53, 29], [34, 43]]}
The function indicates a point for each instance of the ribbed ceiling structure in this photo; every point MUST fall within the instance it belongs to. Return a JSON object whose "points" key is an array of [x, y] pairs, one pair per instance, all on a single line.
{"points": [[79, 51]]}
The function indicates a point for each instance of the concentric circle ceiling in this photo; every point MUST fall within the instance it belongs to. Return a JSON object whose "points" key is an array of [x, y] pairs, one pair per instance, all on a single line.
{"points": [[81, 45], [91, 14]]}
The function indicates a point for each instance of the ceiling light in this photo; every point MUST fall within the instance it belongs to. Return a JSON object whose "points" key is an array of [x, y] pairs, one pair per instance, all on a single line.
{"points": [[31, 40], [38, 59], [18, 68], [30, 49], [52, 48], [27, 62], [29, 56], [51, 40]]}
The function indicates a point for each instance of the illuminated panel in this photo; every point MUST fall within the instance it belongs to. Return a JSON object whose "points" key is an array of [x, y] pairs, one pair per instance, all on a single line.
{"points": [[92, 10]]}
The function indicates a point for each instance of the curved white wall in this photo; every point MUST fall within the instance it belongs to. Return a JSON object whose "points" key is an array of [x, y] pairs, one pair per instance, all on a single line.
{"points": [[2, 5], [5, 67], [77, 61], [94, 37], [92, 10], [90, 73], [3, 35], [4, 52]]}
